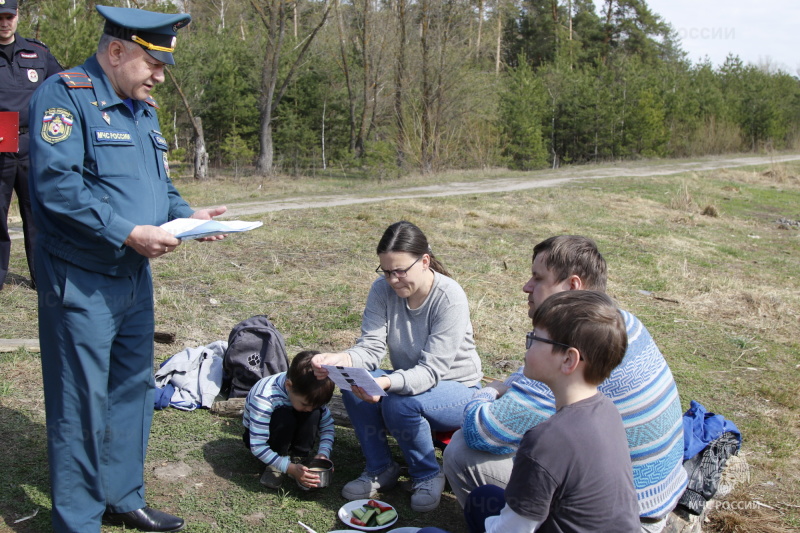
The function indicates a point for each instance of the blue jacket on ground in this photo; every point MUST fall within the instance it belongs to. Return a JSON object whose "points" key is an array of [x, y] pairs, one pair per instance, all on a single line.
{"points": [[700, 428]]}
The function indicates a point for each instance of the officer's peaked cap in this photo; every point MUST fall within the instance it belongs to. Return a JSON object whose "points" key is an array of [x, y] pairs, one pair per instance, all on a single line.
{"points": [[8, 7], [155, 32]]}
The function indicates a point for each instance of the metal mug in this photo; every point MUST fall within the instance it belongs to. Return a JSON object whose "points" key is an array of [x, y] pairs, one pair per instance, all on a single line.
{"points": [[322, 467]]}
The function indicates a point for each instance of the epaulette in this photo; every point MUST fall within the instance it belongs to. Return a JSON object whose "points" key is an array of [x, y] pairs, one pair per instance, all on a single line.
{"points": [[76, 80], [152, 102], [37, 41]]}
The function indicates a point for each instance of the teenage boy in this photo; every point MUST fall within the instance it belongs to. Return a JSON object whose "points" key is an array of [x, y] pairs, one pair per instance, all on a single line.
{"points": [[572, 472], [642, 388], [285, 414]]}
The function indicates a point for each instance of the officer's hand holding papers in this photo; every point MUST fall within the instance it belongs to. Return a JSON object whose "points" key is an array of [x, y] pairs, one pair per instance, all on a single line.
{"points": [[191, 228]]}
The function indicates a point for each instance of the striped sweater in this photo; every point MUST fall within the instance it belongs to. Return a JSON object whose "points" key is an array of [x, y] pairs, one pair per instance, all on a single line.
{"points": [[643, 390], [268, 394]]}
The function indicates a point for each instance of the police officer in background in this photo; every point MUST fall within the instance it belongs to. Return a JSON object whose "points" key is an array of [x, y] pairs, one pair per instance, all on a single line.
{"points": [[100, 188], [24, 65]]}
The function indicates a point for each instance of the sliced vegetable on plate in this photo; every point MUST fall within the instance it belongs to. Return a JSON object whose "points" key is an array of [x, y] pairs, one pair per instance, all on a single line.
{"points": [[368, 515]]}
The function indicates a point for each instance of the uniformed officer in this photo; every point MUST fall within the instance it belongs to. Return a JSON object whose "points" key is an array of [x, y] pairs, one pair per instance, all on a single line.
{"points": [[24, 65], [100, 188]]}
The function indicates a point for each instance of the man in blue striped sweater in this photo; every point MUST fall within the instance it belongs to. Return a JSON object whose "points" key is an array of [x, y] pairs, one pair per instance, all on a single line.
{"points": [[642, 388]]}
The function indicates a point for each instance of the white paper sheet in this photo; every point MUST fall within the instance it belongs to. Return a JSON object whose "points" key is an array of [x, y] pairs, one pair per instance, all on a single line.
{"points": [[191, 228], [345, 376]]}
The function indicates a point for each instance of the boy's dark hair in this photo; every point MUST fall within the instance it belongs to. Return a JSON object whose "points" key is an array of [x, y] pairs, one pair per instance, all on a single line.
{"points": [[405, 237], [590, 322], [574, 254], [317, 392]]}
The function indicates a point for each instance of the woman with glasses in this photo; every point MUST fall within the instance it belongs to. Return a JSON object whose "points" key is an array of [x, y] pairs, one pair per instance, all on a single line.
{"points": [[420, 316]]}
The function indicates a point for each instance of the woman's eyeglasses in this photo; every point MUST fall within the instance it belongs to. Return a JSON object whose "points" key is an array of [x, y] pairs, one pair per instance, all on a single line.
{"points": [[399, 273]]}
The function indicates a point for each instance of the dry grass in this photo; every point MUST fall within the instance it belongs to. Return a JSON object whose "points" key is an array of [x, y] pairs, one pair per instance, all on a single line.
{"points": [[720, 294]]}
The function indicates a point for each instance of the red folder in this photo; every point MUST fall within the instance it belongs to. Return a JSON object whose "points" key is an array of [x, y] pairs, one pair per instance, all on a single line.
{"points": [[9, 131]]}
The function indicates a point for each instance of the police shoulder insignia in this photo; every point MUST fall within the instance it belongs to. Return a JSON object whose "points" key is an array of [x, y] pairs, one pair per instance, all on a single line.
{"points": [[56, 125]]}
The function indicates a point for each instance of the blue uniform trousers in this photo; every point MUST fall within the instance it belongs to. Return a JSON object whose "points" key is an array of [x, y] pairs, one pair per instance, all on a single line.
{"points": [[14, 178], [96, 337]]}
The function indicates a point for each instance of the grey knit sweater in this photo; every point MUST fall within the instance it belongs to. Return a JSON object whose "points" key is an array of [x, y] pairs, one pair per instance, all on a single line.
{"points": [[428, 344]]}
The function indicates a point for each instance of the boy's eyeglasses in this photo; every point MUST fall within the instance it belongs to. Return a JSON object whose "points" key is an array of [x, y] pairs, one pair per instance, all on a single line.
{"points": [[399, 273], [530, 337]]}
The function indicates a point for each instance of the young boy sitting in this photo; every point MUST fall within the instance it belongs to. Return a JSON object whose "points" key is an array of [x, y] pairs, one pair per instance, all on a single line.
{"points": [[572, 473], [284, 415]]}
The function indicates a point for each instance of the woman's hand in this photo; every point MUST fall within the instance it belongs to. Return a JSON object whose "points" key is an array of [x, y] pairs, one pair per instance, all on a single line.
{"points": [[384, 383], [333, 359]]}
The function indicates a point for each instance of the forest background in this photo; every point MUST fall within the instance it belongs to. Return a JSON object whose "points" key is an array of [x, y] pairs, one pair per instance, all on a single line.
{"points": [[383, 88]]}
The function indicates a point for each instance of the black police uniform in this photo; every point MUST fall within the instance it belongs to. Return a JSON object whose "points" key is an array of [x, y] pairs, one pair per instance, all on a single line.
{"points": [[24, 65]]}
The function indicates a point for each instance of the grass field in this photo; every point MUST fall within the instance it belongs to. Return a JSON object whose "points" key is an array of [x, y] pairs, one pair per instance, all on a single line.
{"points": [[710, 262]]}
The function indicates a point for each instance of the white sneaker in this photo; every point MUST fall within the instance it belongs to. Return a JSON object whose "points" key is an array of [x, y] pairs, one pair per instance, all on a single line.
{"points": [[367, 485], [427, 494]]}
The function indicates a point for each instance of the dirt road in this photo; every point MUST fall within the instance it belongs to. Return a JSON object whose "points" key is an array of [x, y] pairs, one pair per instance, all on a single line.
{"points": [[532, 180]]}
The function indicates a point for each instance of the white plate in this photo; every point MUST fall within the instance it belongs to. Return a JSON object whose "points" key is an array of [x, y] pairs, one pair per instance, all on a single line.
{"points": [[405, 530], [345, 514]]}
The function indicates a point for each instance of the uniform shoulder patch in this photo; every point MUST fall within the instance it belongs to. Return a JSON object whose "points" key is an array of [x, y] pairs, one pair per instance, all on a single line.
{"points": [[56, 125], [152, 102], [37, 42], [76, 80]]}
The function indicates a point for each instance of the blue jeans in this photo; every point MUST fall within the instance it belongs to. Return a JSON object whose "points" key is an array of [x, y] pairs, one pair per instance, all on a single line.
{"points": [[410, 420]]}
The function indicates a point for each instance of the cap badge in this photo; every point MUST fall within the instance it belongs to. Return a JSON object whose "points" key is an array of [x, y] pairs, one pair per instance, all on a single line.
{"points": [[33, 76]]}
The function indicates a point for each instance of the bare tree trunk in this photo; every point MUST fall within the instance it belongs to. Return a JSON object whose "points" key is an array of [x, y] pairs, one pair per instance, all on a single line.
{"points": [[399, 83], [269, 79], [271, 91], [427, 91], [608, 34], [346, 70], [480, 29], [200, 154], [365, 58], [569, 9], [499, 38], [324, 107], [439, 98]]}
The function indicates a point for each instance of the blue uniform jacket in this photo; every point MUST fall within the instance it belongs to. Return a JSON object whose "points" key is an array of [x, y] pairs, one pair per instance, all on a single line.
{"points": [[97, 170]]}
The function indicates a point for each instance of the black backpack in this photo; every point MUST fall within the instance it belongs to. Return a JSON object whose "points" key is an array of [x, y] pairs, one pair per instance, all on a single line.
{"points": [[255, 349]]}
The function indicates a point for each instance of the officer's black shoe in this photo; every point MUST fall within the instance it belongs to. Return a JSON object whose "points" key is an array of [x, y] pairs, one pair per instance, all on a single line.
{"points": [[146, 519]]}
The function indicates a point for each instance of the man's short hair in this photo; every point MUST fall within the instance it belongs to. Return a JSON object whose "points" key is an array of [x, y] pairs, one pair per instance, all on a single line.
{"points": [[589, 321], [568, 255], [317, 392], [106, 40]]}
